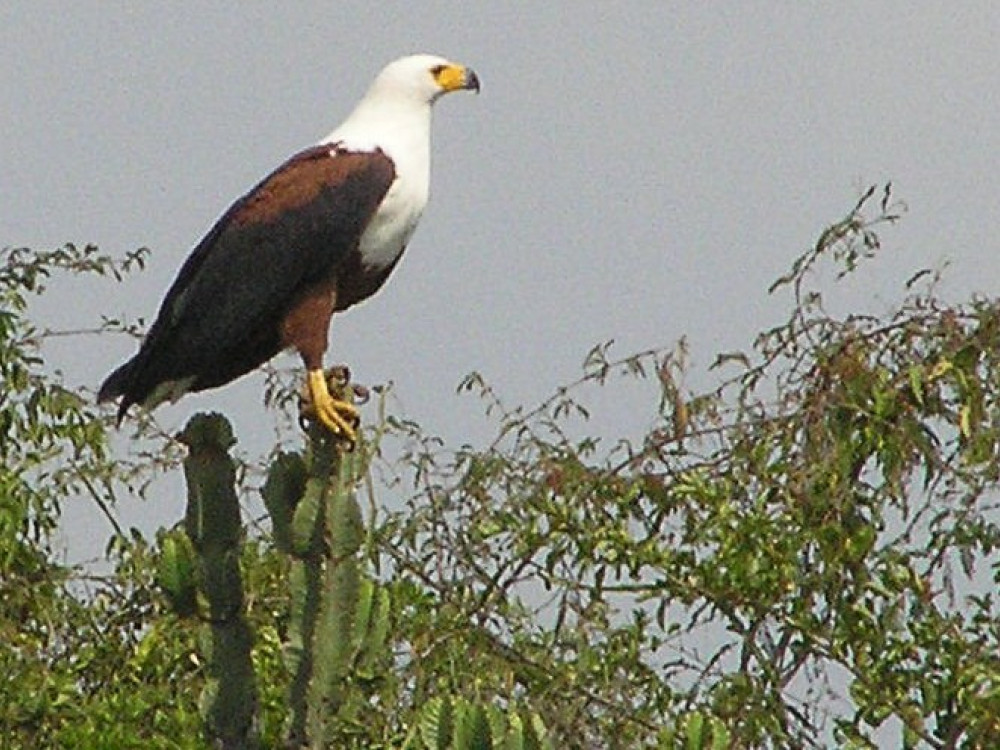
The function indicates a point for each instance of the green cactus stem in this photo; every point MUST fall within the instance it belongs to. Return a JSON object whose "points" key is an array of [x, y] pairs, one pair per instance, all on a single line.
{"points": [[212, 523], [317, 519]]}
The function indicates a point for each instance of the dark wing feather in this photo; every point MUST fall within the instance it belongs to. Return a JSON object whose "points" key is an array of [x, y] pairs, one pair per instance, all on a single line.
{"points": [[221, 317]]}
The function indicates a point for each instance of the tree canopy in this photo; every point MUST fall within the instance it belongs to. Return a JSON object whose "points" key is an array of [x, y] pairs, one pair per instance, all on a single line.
{"points": [[803, 553]]}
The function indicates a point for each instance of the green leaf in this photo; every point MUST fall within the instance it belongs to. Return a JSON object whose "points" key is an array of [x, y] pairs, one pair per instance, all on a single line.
{"points": [[436, 723], [177, 572], [472, 728], [915, 374], [362, 612], [694, 728], [721, 738]]}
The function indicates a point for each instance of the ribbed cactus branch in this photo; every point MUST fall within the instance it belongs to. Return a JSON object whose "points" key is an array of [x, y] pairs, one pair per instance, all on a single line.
{"points": [[212, 522], [332, 643], [317, 519]]}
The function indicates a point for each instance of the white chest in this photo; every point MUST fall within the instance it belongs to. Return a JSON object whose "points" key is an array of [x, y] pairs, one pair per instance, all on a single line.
{"points": [[401, 130], [394, 223]]}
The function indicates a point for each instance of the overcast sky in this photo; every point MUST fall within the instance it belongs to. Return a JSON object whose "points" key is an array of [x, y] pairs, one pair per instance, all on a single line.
{"points": [[637, 171]]}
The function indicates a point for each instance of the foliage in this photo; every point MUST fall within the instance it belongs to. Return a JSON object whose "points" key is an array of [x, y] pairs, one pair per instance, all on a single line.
{"points": [[803, 553], [79, 670]]}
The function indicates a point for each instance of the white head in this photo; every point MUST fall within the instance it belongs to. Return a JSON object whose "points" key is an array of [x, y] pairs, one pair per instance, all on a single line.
{"points": [[423, 78], [395, 113]]}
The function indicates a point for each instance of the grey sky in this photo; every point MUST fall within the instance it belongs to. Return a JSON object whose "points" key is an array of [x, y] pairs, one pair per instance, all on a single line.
{"points": [[637, 171]]}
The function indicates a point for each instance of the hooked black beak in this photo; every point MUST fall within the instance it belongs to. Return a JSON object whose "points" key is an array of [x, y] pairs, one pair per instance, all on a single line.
{"points": [[471, 80]]}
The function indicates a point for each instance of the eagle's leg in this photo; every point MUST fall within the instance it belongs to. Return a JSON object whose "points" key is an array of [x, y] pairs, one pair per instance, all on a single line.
{"points": [[337, 415], [305, 327]]}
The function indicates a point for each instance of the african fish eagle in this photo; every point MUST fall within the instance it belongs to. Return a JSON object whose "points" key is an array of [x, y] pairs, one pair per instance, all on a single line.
{"points": [[319, 234]]}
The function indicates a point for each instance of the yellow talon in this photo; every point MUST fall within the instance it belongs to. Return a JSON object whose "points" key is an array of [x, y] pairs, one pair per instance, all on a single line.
{"points": [[337, 415]]}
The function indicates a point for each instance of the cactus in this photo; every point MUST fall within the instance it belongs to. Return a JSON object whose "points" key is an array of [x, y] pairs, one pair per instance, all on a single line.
{"points": [[339, 619], [212, 524], [454, 723], [317, 521]]}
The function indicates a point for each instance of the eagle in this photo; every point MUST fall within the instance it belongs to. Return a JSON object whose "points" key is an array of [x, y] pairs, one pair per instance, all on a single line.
{"points": [[319, 234]]}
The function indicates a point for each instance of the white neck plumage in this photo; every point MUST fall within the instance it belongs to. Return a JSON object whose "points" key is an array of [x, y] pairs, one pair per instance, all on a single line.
{"points": [[400, 128]]}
